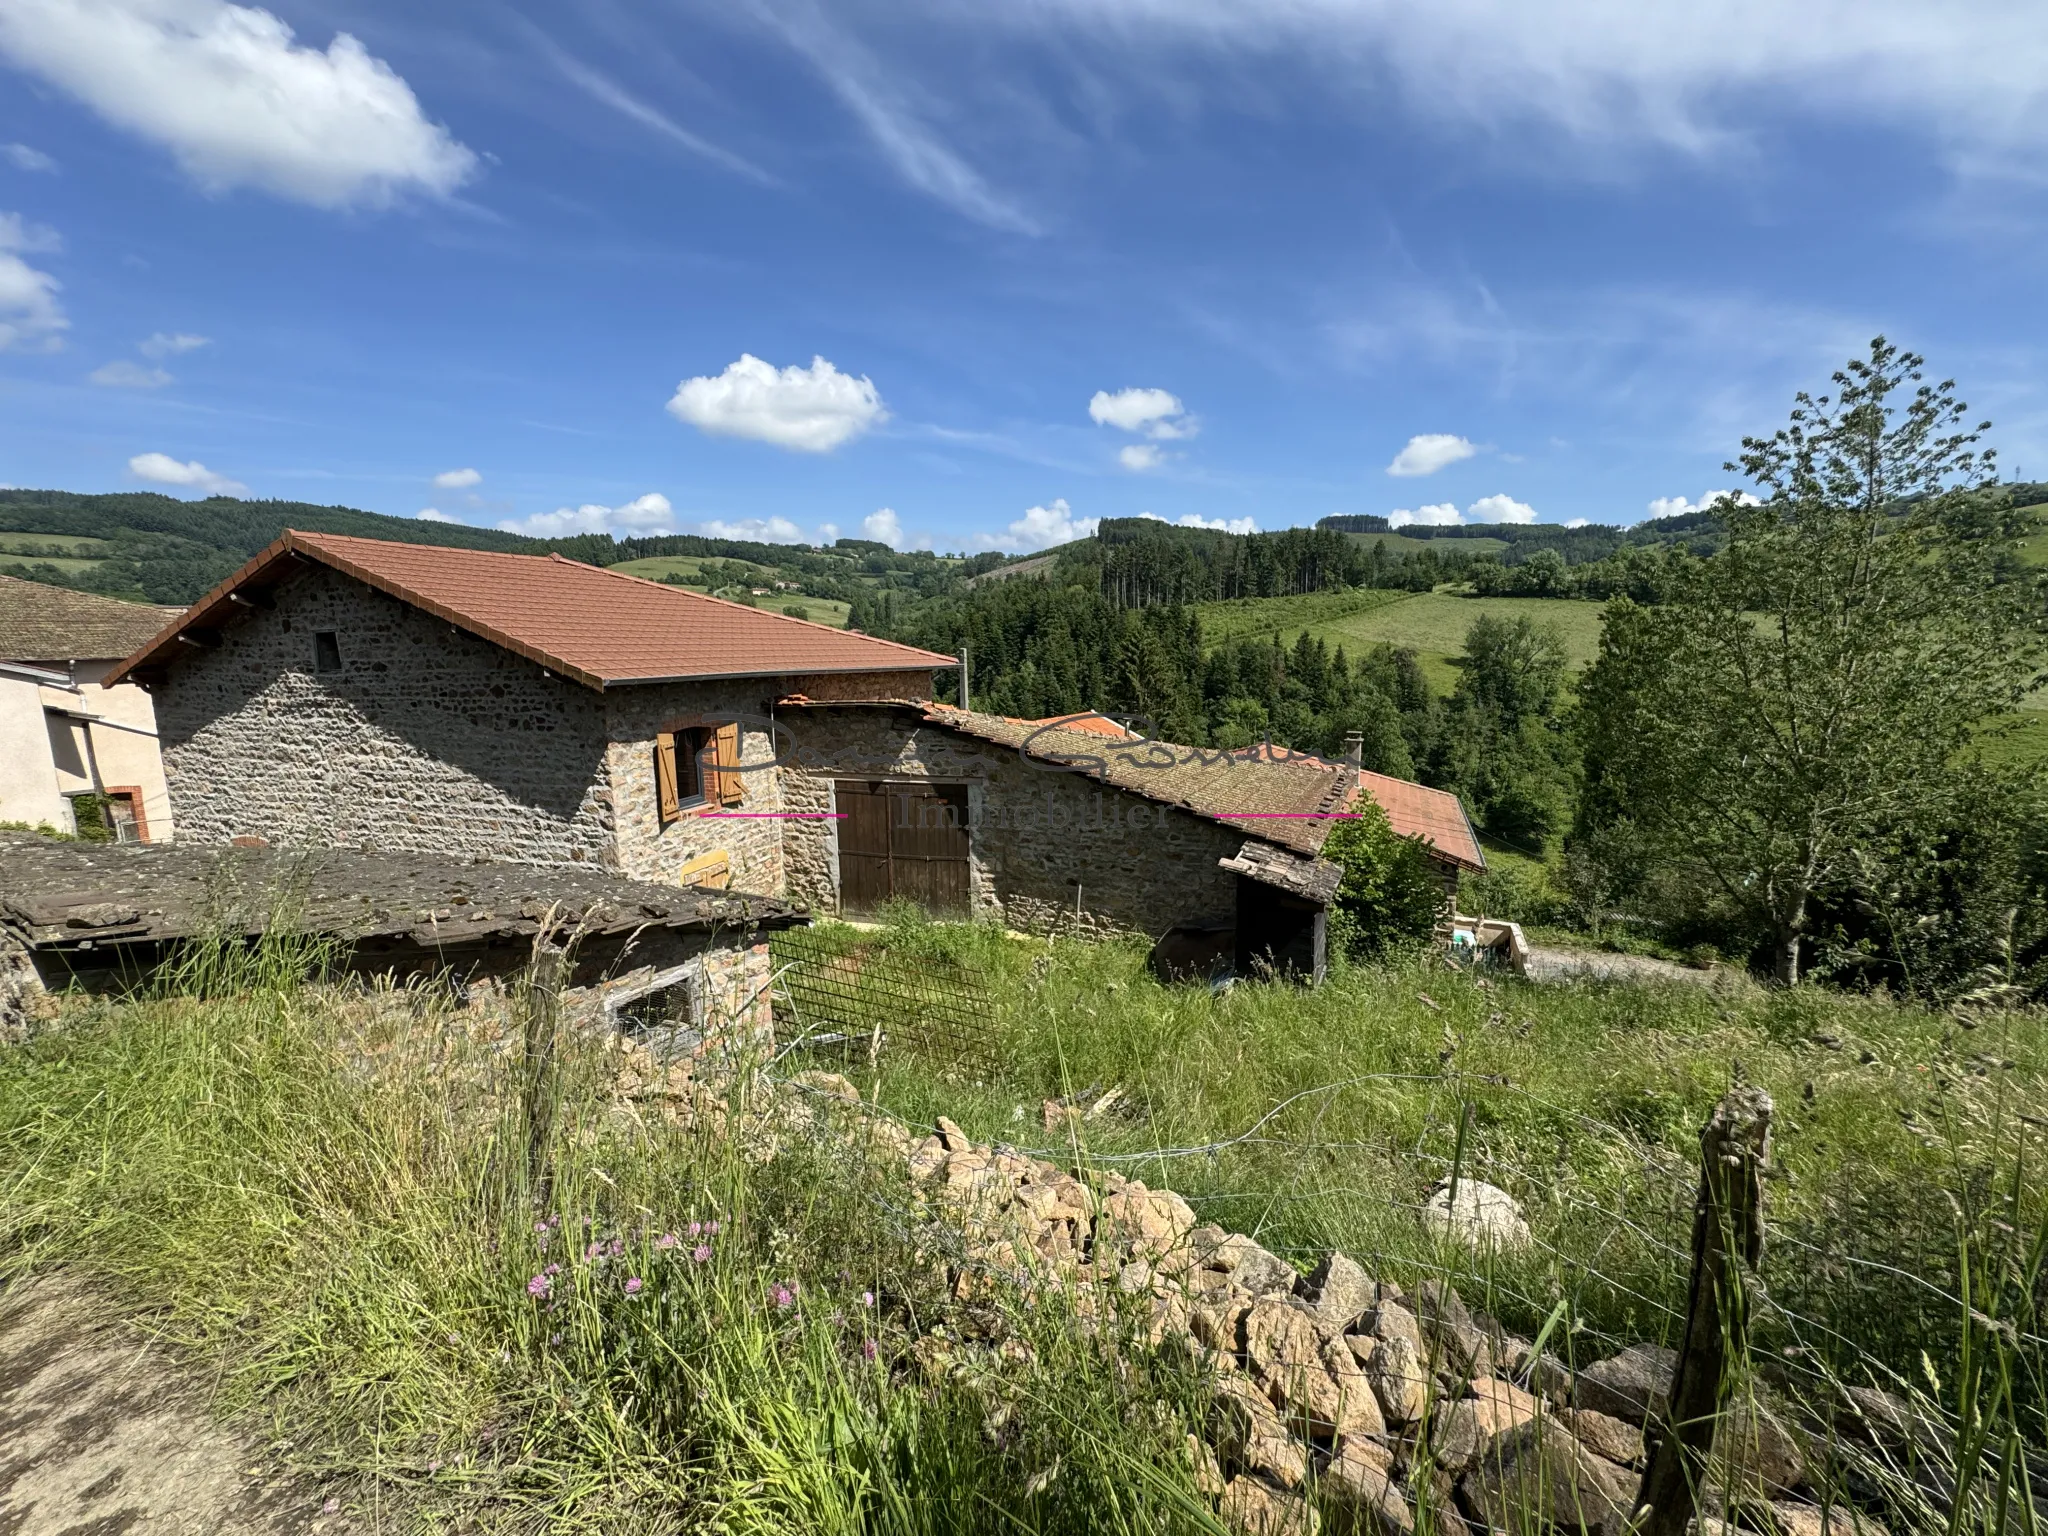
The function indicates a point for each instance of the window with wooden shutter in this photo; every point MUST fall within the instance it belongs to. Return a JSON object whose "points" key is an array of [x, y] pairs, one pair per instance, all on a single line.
{"points": [[728, 786], [666, 794]]}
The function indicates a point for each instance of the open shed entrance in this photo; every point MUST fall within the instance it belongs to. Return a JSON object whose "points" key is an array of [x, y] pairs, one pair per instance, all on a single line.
{"points": [[902, 841]]}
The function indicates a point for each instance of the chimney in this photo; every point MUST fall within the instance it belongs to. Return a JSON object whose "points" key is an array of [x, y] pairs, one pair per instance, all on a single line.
{"points": [[1354, 748], [963, 679]]}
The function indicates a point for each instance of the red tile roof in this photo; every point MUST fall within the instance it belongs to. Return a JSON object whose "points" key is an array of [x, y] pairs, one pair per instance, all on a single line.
{"points": [[1414, 810], [602, 628], [1435, 815]]}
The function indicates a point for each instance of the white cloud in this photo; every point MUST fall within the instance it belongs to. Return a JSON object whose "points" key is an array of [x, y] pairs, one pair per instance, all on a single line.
{"points": [[643, 514], [434, 515], [884, 527], [809, 410], [1153, 412], [1676, 506], [23, 158], [1586, 76], [1429, 452], [1040, 528], [1442, 515], [162, 469], [755, 530], [236, 101], [31, 319], [827, 532], [1140, 456], [457, 479], [1578, 522], [1500, 509], [1221, 524], [122, 374], [166, 344]]}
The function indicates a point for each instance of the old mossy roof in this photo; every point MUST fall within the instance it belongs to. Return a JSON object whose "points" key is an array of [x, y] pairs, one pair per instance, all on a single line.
{"points": [[39, 622], [63, 894]]}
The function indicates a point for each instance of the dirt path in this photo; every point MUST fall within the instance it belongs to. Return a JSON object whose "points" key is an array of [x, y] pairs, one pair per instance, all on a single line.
{"points": [[103, 1434]]}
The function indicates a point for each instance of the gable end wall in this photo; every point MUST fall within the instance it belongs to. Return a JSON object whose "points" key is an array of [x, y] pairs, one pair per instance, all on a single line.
{"points": [[428, 740]]}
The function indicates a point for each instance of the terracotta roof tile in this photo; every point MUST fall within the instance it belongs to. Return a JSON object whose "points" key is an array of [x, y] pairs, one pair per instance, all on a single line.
{"points": [[39, 622], [1290, 804], [1435, 815], [602, 628]]}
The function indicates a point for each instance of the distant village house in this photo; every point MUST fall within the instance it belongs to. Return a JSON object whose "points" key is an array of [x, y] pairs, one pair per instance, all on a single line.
{"points": [[75, 756]]}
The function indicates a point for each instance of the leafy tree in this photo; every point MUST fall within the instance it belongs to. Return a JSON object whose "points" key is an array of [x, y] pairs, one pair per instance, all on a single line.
{"points": [[1391, 897], [1802, 710], [1500, 745]]}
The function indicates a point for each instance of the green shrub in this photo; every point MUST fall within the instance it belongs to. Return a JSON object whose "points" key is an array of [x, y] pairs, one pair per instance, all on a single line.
{"points": [[1391, 897]]}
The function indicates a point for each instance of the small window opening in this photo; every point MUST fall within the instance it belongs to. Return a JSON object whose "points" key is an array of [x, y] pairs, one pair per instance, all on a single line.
{"points": [[326, 651], [664, 1020]]}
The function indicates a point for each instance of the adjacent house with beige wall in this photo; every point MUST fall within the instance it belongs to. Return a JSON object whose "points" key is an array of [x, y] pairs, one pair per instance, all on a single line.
{"points": [[72, 752]]}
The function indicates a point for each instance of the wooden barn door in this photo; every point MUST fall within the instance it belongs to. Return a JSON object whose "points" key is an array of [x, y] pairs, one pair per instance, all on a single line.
{"points": [[903, 840]]}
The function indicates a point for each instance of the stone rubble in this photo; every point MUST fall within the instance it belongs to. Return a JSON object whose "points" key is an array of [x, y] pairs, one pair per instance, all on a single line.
{"points": [[1338, 1402]]}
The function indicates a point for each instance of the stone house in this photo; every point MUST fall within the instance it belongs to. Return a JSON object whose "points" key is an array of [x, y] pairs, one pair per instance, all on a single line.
{"points": [[354, 693], [73, 753]]}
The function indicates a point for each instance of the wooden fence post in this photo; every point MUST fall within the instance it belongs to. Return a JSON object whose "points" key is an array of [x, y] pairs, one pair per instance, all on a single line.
{"points": [[1727, 1239]]}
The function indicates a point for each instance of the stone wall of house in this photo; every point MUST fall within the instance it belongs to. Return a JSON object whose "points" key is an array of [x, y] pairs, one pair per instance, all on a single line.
{"points": [[1050, 850], [750, 835], [428, 739]]}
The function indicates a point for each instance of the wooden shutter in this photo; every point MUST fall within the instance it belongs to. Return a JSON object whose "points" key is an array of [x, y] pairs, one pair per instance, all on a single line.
{"points": [[665, 777], [725, 754]]}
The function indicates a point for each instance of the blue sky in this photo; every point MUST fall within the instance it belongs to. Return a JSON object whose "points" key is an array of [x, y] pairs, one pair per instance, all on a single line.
{"points": [[970, 276]]}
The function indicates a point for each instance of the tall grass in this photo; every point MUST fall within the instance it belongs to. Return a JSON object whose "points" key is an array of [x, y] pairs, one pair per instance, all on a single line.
{"points": [[443, 1248], [444, 1252], [1905, 1224]]}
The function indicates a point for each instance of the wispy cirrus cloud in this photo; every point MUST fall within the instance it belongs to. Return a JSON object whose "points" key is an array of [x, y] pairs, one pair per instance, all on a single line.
{"points": [[899, 116]]}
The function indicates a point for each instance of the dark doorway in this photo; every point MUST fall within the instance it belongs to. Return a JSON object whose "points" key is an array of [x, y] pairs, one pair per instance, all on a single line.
{"points": [[903, 841], [1278, 934]]}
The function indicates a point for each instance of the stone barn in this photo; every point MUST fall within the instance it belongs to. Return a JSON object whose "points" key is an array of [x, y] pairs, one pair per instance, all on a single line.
{"points": [[353, 693]]}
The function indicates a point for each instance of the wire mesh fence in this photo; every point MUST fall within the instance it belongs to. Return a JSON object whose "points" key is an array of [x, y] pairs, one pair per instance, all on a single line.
{"points": [[863, 996]]}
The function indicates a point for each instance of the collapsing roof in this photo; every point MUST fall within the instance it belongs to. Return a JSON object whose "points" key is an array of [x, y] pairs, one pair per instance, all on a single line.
{"points": [[1290, 804], [87, 896], [39, 622], [601, 628]]}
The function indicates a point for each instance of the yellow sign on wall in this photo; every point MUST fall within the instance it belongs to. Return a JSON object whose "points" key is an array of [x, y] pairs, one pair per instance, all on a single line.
{"points": [[710, 870]]}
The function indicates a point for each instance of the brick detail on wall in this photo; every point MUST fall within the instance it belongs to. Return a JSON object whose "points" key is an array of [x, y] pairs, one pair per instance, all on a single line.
{"points": [[428, 739]]}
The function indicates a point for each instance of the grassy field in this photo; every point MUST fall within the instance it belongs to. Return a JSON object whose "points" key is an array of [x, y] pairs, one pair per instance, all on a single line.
{"points": [[70, 565], [348, 1206], [1401, 543], [2034, 549], [1255, 617], [1432, 624], [70, 544]]}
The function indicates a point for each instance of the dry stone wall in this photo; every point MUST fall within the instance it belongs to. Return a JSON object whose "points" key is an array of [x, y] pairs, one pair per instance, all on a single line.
{"points": [[1337, 1401]]}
